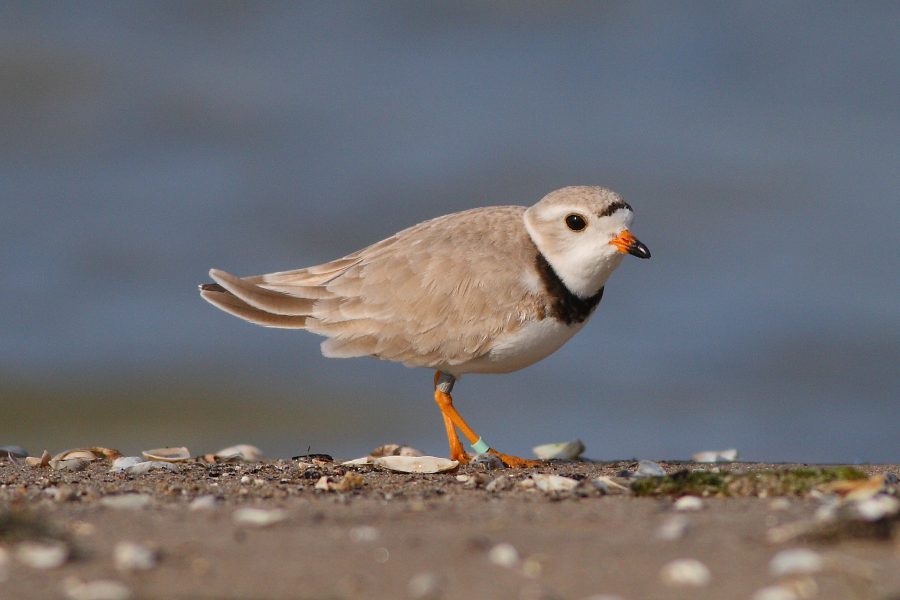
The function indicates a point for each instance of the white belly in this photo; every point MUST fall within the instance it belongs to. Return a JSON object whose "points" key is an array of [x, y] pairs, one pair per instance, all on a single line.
{"points": [[531, 343]]}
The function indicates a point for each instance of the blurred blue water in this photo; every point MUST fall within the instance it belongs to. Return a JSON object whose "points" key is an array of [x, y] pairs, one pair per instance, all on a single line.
{"points": [[758, 143]]}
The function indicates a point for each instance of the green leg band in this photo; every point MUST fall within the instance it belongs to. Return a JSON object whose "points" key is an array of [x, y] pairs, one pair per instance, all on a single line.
{"points": [[480, 446]]}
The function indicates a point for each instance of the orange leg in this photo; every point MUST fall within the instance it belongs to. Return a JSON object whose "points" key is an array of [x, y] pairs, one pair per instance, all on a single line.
{"points": [[453, 420]]}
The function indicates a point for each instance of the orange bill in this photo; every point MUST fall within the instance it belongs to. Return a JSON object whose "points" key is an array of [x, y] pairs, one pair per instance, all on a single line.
{"points": [[626, 243]]}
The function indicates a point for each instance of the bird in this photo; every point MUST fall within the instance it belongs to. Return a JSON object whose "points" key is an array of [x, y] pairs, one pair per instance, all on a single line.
{"points": [[486, 290]]}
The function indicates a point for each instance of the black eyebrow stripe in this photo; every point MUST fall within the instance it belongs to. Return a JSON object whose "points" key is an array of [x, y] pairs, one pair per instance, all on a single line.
{"points": [[618, 204]]}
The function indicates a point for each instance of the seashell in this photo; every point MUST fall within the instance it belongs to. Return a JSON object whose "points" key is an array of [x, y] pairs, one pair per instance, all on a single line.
{"points": [[416, 464], [672, 528], [876, 508], [168, 454], [69, 464], [205, 502], [504, 555], [127, 501], [38, 461], [42, 555], [553, 483], [608, 485], [258, 517], [131, 556], [685, 572], [358, 462], [100, 589], [500, 484], [560, 450], [240, 452], [394, 450], [713, 456], [798, 561], [648, 468], [686, 503], [146, 466]]}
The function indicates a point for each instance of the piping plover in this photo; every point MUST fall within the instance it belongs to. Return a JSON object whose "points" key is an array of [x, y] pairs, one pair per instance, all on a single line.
{"points": [[487, 290]]}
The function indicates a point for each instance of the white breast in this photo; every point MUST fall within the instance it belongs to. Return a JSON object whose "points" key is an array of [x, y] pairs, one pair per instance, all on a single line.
{"points": [[513, 351]]}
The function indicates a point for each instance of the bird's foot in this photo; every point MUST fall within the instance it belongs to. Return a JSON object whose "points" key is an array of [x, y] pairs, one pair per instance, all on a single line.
{"points": [[515, 462], [462, 456]]}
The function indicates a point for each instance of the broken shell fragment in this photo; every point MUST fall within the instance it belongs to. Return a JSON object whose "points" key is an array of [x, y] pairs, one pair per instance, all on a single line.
{"points": [[42, 555], [416, 464], [258, 517], [553, 483], [560, 450], [714, 456], [685, 572], [38, 461], [238, 453], [359, 462], [168, 454]]}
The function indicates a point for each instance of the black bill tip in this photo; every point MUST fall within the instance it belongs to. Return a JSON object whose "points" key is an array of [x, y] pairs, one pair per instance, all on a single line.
{"points": [[639, 250]]}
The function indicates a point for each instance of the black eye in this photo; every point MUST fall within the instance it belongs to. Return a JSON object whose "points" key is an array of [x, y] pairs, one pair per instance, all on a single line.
{"points": [[576, 222]]}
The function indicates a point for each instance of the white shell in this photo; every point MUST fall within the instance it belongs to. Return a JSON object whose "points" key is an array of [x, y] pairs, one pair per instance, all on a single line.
{"points": [[258, 517], [244, 452], [131, 556], [686, 572], [416, 464], [127, 501], [686, 503], [712, 456], [553, 483], [560, 450], [797, 561], [100, 589], [168, 454], [648, 468], [42, 556], [356, 462]]}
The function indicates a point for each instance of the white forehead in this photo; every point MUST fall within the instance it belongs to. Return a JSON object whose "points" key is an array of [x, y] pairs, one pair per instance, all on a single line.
{"points": [[589, 201]]}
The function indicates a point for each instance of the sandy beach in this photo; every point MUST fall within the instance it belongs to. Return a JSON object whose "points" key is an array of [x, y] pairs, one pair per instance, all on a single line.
{"points": [[470, 533]]}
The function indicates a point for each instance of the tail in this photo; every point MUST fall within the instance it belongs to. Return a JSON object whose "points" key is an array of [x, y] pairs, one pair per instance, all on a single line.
{"points": [[255, 304]]}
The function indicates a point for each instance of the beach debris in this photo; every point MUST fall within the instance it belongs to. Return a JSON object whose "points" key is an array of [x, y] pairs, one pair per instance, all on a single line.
{"points": [[132, 556], [673, 528], [78, 459], [425, 586], [316, 459], [394, 450], [688, 503], [487, 461], [715, 456], [685, 572], [205, 502], [504, 555], [364, 534], [648, 468], [500, 484], [99, 589], [127, 501], [42, 555], [559, 450], [38, 462], [170, 454], [7, 452], [553, 483], [608, 485], [416, 464], [796, 561], [135, 465], [359, 462], [349, 481], [258, 517], [234, 454]]}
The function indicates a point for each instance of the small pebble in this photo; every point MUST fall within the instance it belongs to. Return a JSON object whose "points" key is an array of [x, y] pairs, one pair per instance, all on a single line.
{"points": [[101, 589], [686, 572], [688, 503], [797, 561], [648, 468], [258, 517], [487, 461], [123, 462], [672, 528], [39, 555], [504, 555], [424, 586], [206, 502], [131, 556], [500, 484], [127, 501]]}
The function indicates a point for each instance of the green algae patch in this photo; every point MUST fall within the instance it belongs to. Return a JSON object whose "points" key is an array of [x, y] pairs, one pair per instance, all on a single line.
{"points": [[781, 482]]}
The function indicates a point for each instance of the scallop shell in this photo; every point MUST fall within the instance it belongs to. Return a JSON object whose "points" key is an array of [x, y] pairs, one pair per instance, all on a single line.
{"points": [[168, 454], [416, 464]]}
